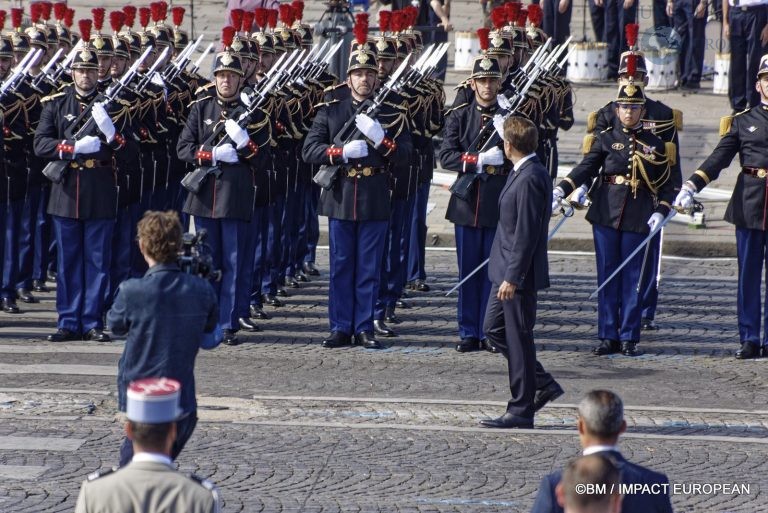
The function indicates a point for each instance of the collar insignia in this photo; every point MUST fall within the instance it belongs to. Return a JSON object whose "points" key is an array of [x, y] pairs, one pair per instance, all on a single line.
{"points": [[208, 122], [752, 129], [617, 146], [69, 117]]}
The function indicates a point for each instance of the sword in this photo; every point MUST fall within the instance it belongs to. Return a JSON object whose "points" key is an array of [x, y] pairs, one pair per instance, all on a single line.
{"points": [[474, 272]]}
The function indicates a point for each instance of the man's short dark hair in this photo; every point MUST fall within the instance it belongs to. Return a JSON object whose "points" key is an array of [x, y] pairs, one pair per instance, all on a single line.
{"points": [[521, 134], [602, 413], [589, 482], [151, 437], [160, 233]]}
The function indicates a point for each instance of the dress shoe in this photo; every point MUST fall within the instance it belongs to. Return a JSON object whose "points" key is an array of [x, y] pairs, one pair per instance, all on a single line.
{"points": [[486, 344], [292, 282], [271, 300], [404, 294], [748, 351], [381, 329], [390, 316], [468, 344], [230, 338], [63, 335], [310, 269], [607, 347], [247, 325], [421, 286], [547, 394], [402, 304], [51, 275], [411, 285], [367, 340], [257, 312], [282, 292], [25, 296], [337, 339], [629, 348], [10, 306], [508, 421], [648, 325], [96, 335], [39, 286], [302, 276]]}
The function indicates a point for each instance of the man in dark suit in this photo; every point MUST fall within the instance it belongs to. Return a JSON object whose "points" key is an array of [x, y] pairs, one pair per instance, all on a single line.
{"points": [[517, 269], [590, 484], [601, 421]]}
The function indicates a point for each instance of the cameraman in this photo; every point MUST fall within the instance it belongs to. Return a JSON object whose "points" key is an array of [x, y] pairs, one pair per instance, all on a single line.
{"points": [[168, 315]]}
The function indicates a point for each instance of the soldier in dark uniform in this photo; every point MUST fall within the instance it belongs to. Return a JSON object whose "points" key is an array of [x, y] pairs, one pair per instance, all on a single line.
{"points": [[744, 23], [84, 203], [631, 197], [664, 122], [476, 214], [224, 204], [745, 134], [356, 202]]}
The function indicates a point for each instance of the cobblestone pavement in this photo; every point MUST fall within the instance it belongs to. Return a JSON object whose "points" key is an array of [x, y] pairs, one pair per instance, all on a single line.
{"points": [[289, 426]]}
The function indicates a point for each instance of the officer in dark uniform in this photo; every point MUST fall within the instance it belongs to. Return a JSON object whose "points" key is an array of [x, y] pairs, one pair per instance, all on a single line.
{"points": [[224, 203], [356, 201], [664, 122], [617, 14], [84, 203], [476, 213], [744, 22], [690, 22], [745, 134], [632, 195]]}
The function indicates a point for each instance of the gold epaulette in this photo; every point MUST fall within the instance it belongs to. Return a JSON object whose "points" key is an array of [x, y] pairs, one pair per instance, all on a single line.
{"points": [[51, 97], [202, 89], [677, 115], [456, 108], [587, 143], [334, 87], [463, 83], [671, 150], [325, 104], [725, 125], [592, 121]]}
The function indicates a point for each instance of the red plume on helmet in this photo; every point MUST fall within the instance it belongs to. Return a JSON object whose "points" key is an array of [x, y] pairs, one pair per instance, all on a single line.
{"points": [[177, 13], [85, 29], [413, 14], [3, 14], [631, 31], [69, 17], [34, 12], [130, 15], [361, 33], [498, 17], [116, 20], [45, 10], [59, 11], [512, 9], [237, 19], [631, 64], [286, 14], [483, 35], [272, 18], [157, 11], [298, 9], [522, 17], [227, 35], [396, 24], [144, 15], [260, 17], [534, 14], [16, 15], [247, 21], [163, 10], [385, 17], [98, 18]]}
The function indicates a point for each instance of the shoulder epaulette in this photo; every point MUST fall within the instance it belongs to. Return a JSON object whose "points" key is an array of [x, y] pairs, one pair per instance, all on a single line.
{"points": [[204, 88], [334, 87], [592, 121], [677, 115], [456, 107], [325, 104], [587, 143], [671, 150], [101, 473], [463, 83], [606, 130], [725, 124], [51, 97]]}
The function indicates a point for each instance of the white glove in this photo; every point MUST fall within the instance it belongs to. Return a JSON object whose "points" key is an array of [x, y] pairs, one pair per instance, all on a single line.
{"points": [[157, 79], [88, 144], [371, 128], [503, 102], [355, 150], [225, 153], [103, 121], [246, 99], [684, 198], [492, 157], [557, 196], [498, 124], [236, 133], [580, 195], [654, 221]]}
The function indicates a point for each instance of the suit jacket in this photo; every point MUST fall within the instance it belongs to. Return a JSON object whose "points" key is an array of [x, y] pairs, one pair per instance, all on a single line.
{"points": [[145, 487], [519, 251], [165, 314], [630, 474]]}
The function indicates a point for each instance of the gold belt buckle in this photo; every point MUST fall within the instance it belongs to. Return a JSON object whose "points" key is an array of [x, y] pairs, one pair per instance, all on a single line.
{"points": [[762, 173], [367, 171], [351, 173], [619, 180], [90, 163], [74, 164], [491, 170]]}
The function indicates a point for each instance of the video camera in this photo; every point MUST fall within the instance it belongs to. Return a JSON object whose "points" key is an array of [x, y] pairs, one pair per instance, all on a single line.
{"points": [[195, 256]]}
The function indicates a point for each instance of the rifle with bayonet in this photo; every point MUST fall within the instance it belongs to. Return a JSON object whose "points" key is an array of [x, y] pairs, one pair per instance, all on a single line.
{"points": [[55, 169], [181, 61], [147, 78], [19, 72], [43, 76], [199, 61]]}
